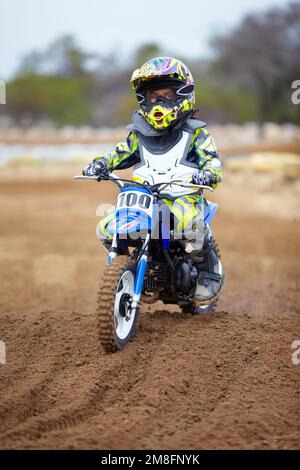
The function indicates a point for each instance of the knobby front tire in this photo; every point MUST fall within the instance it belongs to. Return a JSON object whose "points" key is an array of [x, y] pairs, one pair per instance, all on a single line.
{"points": [[115, 331]]}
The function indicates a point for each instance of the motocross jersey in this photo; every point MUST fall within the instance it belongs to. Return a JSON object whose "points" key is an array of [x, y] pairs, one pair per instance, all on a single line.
{"points": [[159, 157]]}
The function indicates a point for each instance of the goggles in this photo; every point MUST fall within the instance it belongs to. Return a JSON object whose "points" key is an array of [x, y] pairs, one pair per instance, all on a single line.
{"points": [[147, 96]]}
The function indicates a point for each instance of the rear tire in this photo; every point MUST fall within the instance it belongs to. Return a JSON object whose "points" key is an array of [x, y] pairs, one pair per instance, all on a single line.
{"points": [[117, 323]]}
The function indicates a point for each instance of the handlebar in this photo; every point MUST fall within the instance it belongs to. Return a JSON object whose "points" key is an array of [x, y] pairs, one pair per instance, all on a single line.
{"points": [[120, 182], [111, 177]]}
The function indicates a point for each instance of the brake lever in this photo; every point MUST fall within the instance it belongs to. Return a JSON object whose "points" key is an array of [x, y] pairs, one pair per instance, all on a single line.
{"points": [[82, 177]]}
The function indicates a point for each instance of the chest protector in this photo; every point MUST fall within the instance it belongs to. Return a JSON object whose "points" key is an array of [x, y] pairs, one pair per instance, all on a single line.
{"points": [[159, 165]]}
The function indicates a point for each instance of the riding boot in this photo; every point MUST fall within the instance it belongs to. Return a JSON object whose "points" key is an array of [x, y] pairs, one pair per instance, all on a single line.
{"points": [[210, 271]]}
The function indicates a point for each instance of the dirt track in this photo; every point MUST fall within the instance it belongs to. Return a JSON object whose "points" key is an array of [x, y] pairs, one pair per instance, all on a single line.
{"points": [[220, 381]]}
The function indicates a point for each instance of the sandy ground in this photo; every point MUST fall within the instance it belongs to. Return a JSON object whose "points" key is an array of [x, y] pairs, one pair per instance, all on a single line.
{"points": [[220, 381]]}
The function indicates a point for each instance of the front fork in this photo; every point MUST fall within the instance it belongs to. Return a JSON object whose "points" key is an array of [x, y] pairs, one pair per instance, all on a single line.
{"points": [[113, 252], [140, 270]]}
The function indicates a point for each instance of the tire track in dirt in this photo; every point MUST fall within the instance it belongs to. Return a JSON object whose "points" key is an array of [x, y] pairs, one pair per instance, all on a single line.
{"points": [[176, 376], [169, 391], [26, 423]]}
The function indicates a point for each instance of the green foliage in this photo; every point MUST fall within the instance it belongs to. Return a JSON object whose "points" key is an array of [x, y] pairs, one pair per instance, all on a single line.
{"points": [[58, 98], [228, 103]]}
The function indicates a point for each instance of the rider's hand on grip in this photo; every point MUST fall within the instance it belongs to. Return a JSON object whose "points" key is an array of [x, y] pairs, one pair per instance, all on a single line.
{"points": [[205, 178], [97, 168]]}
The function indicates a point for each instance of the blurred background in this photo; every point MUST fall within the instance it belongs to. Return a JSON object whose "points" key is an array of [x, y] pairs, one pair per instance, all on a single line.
{"points": [[67, 65]]}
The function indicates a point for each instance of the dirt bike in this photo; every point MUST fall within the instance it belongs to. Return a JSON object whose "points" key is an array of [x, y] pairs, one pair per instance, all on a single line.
{"points": [[142, 267]]}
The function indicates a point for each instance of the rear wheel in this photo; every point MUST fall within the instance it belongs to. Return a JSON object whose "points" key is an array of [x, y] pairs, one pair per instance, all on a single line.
{"points": [[117, 318]]}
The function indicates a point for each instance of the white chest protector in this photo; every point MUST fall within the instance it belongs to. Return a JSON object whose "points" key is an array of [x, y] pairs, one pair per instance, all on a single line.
{"points": [[170, 165]]}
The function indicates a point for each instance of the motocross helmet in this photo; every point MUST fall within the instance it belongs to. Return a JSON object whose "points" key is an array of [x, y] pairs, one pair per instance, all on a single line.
{"points": [[158, 73]]}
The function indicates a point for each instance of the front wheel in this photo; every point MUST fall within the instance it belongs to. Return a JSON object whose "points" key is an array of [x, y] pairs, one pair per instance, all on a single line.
{"points": [[117, 318]]}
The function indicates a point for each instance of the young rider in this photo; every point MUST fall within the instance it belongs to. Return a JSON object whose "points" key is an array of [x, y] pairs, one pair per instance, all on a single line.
{"points": [[166, 135]]}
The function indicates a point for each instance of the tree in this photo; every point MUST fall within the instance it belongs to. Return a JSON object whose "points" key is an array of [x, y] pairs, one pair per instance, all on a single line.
{"points": [[262, 55], [60, 99], [63, 57]]}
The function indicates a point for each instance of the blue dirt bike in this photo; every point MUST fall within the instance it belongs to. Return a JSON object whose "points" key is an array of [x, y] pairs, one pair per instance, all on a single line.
{"points": [[142, 267]]}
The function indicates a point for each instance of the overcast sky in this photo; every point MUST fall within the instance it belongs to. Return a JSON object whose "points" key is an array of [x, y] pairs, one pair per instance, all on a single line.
{"points": [[105, 25]]}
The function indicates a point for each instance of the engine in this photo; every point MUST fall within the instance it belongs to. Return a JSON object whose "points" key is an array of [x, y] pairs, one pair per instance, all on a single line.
{"points": [[157, 276]]}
